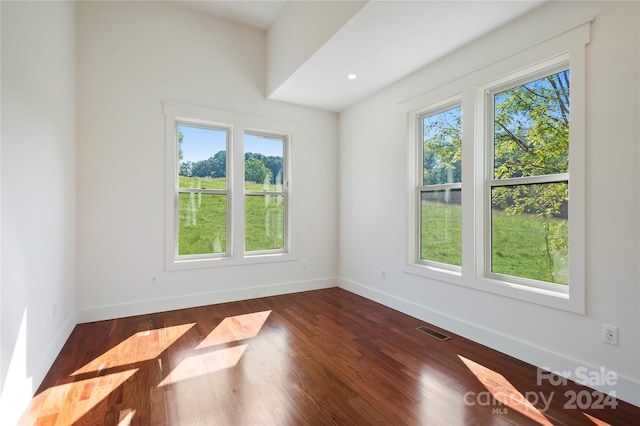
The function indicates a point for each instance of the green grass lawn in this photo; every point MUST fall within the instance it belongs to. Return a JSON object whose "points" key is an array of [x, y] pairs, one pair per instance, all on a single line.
{"points": [[519, 246], [518, 240], [519, 249], [203, 219], [441, 233]]}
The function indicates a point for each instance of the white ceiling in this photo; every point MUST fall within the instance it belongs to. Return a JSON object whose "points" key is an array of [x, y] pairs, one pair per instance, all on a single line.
{"points": [[384, 42], [256, 13]]}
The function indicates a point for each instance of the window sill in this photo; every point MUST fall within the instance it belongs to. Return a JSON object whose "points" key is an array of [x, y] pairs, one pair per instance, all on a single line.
{"points": [[249, 259], [572, 302]]}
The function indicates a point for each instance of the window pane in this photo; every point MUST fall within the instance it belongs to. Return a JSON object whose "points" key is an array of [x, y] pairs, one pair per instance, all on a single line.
{"points": [[442, 147], [529, 231], [263, 162], [202, 223], [441, 226], [202, 157], [264, 222], [531, 128]]}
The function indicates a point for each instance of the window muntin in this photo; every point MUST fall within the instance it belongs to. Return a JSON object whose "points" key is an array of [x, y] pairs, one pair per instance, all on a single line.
{"points": [[266, 197], [529, 184], [439, 188], [474, 88], [220, 190], [202, 191]]}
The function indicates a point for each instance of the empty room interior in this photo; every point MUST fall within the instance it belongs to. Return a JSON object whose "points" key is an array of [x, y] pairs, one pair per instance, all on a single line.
{"points": [[320, 212]]}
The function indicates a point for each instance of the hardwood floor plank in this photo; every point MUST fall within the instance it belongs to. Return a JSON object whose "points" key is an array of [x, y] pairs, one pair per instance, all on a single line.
{"points": [[320, 357]]}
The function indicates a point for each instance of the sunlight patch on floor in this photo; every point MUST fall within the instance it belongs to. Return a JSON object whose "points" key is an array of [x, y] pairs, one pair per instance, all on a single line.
{"points": [[126, 416], [142, 346], [236, 328], [504, 392], [86, 394], [231, 329], [202, 364]]}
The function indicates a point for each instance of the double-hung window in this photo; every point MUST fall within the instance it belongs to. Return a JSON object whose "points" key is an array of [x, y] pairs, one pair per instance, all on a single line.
{"points": [[202, 222], [228, 191], [496, 197], [528, 183], [439, 187], [265, 192]]}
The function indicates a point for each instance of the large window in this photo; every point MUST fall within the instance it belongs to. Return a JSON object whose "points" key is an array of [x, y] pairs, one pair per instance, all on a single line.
{"points": [[228, 188], [528, 186], [496, 195], [439, 187]]}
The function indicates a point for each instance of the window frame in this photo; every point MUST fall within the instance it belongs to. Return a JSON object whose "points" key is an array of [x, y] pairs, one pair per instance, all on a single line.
{"points": [[568, 46], [571, 297], [431, 110], [237, 124], [284, 192], [180, 190], [527, 75]]}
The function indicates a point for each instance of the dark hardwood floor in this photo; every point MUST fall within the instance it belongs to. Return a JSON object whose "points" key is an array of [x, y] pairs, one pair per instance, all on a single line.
{"points": [[318, 357]]}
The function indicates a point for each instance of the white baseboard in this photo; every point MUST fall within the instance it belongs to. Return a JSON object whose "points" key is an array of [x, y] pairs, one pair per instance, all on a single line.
{"points": [[625, 388], [46, 359], [99, 313]]}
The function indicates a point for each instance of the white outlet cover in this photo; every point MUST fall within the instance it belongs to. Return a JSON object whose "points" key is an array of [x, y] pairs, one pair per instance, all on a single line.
{"points": [[609, 334]]}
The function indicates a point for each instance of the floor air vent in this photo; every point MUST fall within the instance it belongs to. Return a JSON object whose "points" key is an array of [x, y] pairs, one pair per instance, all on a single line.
{"points": [[436, 334]]}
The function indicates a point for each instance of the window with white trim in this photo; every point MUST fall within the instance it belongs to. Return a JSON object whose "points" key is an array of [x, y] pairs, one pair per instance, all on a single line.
{"points": [[527, 188], [439, 187], [522, 176], [228, 192], [202, 221], [265, 192]]}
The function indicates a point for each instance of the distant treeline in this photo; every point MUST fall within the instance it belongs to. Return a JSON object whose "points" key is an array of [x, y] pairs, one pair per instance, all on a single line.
{"points": [[258, 167]]}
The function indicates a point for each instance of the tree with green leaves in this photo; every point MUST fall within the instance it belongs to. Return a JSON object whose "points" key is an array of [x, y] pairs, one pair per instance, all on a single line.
{"points": [[256, 171], [442, 147], [531, 138], [531, 128]]}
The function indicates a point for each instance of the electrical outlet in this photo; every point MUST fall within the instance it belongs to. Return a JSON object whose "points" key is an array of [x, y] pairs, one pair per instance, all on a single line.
{"points": [[305, 264], [153, 280], [610, 334], [383, 274]]}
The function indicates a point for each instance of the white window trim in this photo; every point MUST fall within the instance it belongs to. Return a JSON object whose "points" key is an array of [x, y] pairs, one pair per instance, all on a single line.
{"points": [[487, 91], [416, 134], [227, 192], [238, 124], [286, 137], [569, 46]]}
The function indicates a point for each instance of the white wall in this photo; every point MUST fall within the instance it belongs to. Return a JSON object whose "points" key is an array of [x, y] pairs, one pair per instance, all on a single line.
{"points": [[373, 152], [131, 56], [300, 30], [38, 194]]}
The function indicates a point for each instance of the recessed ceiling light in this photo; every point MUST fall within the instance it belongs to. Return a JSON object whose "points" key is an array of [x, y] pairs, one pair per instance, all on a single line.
{"points": [[352, 76]]}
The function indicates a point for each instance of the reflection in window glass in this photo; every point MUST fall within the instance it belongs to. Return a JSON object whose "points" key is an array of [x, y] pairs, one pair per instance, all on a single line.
{"points": [[442, 147], [264, 222], [265, 195], [202, 223], [202, 190], [440, 238], [440, 226]]}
